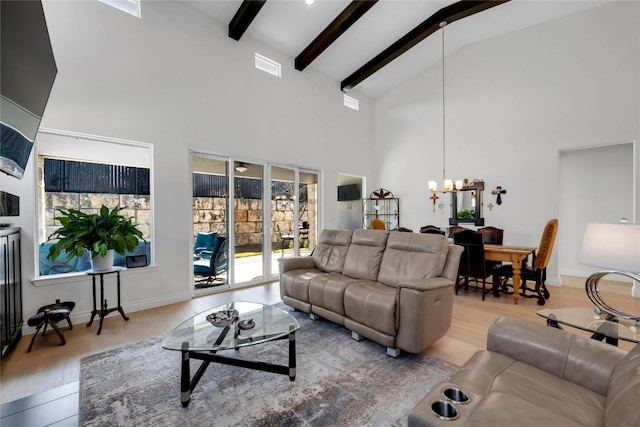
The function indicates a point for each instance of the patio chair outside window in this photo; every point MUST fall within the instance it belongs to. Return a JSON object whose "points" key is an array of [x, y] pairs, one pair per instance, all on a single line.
{"points": [[209, 259]]}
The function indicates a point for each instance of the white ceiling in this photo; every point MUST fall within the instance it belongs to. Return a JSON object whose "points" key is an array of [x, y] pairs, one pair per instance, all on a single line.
{"points": [[290, 25]]}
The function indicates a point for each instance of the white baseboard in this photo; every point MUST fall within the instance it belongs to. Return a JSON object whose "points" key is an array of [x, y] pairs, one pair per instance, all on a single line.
{"points": [[553, 281], [84, 316], [157, 302], [581, 273], [574, 272]]}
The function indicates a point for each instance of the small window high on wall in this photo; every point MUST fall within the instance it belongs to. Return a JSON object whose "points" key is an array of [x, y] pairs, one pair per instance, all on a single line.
{"points": [[132, 7], [268, 65]]}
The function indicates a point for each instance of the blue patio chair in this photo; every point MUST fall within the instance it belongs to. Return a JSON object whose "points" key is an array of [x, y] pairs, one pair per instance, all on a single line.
{"points": [[210, 261], [61, 264], [204, 242]]}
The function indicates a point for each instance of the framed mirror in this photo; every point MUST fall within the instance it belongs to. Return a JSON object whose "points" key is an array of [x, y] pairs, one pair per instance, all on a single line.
{"points": [[466, 204]]}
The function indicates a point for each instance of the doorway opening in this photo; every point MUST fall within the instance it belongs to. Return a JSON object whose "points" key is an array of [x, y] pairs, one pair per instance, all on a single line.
{"points": [[596, 185], [350, 191]]}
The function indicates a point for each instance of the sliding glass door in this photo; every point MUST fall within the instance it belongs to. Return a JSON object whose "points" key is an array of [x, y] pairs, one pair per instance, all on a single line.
{"points": [[269, 212], [294, 214], [308, 219], [283, 214], [249, 211], [211, 234]]}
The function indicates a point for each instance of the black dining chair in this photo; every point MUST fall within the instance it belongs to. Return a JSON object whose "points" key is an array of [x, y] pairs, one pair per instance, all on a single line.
{"points": [[431, 229], [472, 262], [454, 229], [493, 236]]}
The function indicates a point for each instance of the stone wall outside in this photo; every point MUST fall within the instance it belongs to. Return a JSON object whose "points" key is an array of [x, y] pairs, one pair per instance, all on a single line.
{"points": [[209, 215], [136, 207]]}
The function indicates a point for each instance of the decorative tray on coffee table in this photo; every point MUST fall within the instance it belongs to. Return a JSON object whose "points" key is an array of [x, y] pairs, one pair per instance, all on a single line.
{"points": [[223, 318]]}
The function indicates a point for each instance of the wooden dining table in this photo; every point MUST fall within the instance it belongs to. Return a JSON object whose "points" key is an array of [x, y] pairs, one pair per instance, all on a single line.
{"points": [[513, 254]]}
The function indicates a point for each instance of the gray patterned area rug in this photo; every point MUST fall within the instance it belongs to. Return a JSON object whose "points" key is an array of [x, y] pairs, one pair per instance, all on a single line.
{"points": [[339, 382]]}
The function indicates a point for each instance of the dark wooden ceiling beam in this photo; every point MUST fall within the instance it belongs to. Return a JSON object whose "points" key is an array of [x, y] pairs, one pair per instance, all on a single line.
{"points": [[335, 29], [450, 14], [243, 17]]}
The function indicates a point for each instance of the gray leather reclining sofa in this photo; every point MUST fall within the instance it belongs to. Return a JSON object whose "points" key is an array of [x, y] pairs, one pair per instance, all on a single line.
{"points": [[533, 375], [394, 288]]}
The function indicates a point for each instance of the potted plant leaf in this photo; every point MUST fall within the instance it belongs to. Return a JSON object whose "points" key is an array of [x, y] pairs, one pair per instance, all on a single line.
{"points": [[101, 234], [465, 214]]}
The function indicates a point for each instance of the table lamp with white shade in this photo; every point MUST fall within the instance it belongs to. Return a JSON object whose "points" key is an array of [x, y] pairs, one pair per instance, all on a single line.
{"points": [[615, 247]]}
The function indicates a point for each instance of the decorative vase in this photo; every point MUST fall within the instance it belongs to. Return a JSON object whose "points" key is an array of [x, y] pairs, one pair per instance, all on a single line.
{"points": [[103, 263]]}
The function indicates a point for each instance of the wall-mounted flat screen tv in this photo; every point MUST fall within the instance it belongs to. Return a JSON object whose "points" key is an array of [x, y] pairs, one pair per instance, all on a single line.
{"points": [[27, 71], [348, 192]]}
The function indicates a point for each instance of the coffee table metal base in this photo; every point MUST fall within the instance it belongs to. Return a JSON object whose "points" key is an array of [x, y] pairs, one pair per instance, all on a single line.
{"points": [[597, 335], [187, 384]]}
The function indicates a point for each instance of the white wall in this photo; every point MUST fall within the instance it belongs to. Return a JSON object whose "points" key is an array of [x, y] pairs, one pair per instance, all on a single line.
{"points": [[175, 80], [512, 103]]}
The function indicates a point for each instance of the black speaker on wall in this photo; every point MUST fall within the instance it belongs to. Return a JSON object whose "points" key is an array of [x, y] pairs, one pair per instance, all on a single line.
{"points": [[9, 204]]}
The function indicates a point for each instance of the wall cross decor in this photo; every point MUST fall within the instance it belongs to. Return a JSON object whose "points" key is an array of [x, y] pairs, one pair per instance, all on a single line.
{"points": [[433, 198], [498, 193]]}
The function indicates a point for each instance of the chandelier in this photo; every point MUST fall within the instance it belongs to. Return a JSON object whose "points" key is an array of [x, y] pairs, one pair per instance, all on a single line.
{"points": [[447, 184]]}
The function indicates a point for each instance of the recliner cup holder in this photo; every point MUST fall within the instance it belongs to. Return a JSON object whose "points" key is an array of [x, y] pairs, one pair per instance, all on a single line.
{"points": [[456, 395], [444, 410]]}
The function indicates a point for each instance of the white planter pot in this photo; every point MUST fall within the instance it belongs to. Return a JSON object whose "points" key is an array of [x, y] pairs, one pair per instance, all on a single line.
{"points": [[103, 263]]}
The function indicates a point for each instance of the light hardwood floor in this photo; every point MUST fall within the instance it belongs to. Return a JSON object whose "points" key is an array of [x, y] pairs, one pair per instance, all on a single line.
{"points": [[51, 365]]}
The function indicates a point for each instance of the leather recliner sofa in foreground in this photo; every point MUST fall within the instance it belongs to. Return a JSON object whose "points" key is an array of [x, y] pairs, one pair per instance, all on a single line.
{"points": [[533, 375]]}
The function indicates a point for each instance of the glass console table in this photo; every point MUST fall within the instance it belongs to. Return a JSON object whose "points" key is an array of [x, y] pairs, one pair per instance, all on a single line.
{"points": [[603, 326]]}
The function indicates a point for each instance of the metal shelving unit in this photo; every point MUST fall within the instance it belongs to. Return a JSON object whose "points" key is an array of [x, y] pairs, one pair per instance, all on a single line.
{"points": [[381, 204]]}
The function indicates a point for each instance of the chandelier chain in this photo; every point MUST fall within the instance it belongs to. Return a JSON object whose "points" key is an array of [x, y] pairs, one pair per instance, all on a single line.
{"points": [[444, 156]]}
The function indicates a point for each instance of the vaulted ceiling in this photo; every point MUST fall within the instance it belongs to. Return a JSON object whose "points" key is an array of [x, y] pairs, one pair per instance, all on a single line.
{"points": [[375, 45]]}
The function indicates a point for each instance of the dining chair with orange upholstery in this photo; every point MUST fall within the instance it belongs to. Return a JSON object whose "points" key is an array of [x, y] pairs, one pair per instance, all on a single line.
{"points": [[538, 270]]}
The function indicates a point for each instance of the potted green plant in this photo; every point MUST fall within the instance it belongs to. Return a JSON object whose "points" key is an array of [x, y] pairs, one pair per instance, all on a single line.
{"points": [[101, 234], [465, 214]]}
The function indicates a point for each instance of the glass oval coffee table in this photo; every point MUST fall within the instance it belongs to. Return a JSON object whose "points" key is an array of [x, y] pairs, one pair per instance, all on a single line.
{"points": [[230, 327], [603, 326]]}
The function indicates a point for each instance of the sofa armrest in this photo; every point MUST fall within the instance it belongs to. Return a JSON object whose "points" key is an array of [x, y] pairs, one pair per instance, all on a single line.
{"points": [[426, 284], [423, 312], [576, 358], [295, 263], [453, 262]]}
